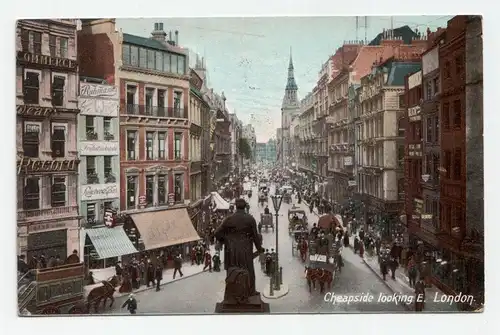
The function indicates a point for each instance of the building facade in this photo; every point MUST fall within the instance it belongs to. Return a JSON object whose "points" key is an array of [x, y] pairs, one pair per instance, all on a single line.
{"points": [[197, 106], [307, 159], [153, 82], [46, 143], [248, 133], [98, 146], [221, 141], [380, 172], [236, 129], [414, 203]]}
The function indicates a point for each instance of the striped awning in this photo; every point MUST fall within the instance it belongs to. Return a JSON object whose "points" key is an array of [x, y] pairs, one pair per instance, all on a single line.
{"points": [[110, 242]]}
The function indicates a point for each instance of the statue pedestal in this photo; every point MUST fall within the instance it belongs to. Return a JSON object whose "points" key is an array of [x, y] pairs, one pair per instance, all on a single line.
{"points": [[276, 294], [254, 305]]}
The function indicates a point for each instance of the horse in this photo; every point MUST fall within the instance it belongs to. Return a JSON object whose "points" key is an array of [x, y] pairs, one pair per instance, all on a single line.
{"points": [[102, 292], [302, 246], [321, 275]]}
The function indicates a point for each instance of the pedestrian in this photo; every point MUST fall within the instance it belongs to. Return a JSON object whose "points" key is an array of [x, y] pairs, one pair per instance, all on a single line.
{"points": [[158, 276], [178, 265], [131, 304], [393, 265], [378, 244], [361, 235], [346, 239], [361, 249], [193, 255], [383, 267], [142, 270], [208, 261], [216, 260], [269, 259], [419, 295], [404, 257], [356, 244], [412, 272], [199, 255], [150, 273]]}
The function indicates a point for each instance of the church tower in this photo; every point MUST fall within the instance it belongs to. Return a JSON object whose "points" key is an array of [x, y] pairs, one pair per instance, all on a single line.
{"points": [[289, 109]]}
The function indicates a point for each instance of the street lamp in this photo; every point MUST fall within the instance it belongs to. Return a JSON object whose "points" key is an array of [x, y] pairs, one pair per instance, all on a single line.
{"points": [[277, 205]]}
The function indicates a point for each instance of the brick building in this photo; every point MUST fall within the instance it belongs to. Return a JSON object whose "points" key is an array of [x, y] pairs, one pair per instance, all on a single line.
{"points": [[153, 80], [47, 157]]}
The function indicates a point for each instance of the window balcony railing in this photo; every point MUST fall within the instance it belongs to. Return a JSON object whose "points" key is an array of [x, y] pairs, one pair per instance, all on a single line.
{"points": [[91, 136], [92, 178], [156, 111], [23, 215], [108, 136]]}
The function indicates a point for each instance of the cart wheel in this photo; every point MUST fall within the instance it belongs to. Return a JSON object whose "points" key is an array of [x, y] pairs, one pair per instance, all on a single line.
{"points": [[50, 310], [77, 310]]}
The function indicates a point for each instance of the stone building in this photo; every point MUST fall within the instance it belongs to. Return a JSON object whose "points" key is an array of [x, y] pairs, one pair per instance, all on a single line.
{"points": [[381, 149], [221, 141], [197, 106], [248, 133], [321, 103], [98, 146], [413, 152], [307, 159], [46, 143], [235, 128]]}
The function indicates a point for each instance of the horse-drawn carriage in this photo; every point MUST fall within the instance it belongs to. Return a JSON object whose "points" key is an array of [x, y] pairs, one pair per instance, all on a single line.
{"points": [[266, 221], [297, 219], [299, 242], [263, 193], [323, 262]]}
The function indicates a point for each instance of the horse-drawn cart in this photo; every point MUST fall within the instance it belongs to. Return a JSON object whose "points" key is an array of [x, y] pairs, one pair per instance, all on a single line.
{"points": [[266, 221], [324, 261], [297, 218], [299, 242]]}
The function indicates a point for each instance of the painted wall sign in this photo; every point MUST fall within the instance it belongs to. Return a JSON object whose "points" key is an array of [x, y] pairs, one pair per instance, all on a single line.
{"points": [[99, 192], [348, 160], [35, 110], [99, 148], [415, 80], [29, 165], [98, 107], [61, 63], [98, 90], [430, 61]]}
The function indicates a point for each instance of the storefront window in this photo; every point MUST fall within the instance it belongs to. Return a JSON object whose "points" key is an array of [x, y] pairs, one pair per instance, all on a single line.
{"points": [[178, 187], [150, 184]]}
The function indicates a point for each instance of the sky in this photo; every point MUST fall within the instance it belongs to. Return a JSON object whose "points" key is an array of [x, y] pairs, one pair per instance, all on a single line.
{"points": [[247, 58]]}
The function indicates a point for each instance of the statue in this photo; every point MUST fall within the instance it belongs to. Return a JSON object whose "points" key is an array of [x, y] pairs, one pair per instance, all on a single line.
{"points": [[238, 233]]}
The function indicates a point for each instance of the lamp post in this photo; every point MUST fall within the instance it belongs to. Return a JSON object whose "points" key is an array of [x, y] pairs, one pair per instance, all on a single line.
{"points": [[277, 204]]}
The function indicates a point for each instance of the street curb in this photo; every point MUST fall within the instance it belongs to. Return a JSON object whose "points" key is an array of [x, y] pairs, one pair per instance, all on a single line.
{"points": [[385, 283]]}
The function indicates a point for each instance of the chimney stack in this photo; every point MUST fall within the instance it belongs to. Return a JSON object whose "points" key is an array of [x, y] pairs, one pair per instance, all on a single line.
{"points": [[158, 34], [177, 38]]}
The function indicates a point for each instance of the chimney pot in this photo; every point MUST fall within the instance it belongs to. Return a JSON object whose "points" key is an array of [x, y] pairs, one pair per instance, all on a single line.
{"points": [[177, 38]]}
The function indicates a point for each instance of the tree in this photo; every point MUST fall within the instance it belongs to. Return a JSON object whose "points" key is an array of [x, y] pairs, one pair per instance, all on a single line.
{"points": [[245, 148]]}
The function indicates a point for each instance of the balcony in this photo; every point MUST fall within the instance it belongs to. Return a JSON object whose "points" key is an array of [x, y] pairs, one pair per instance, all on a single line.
{"points": [[56, 212], [155, 111], [108, 136]]}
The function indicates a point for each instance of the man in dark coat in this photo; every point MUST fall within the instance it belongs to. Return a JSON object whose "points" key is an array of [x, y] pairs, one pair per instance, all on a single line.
{"points": [[158, 276], [238, 233], [150, 273]]}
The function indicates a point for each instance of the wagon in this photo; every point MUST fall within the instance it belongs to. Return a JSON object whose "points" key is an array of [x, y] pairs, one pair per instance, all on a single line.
{"points": [[296, 218], [266, 221], [297, 236], [324, 261]]}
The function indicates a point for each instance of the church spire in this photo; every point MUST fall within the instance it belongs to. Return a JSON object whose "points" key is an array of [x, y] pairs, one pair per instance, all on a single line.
{"points": [[291, 84], [290, 99]]}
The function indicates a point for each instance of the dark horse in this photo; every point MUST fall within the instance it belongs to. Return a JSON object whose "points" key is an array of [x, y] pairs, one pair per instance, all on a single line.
{"points": [[321, 275], [102, 292]]}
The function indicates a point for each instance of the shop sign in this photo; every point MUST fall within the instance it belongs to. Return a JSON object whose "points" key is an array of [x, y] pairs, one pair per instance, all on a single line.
{"points": [[98, 107], [351, 183], [348, 160], [30, 165], [415, 80], [99, 148], [419, 205], [142, 200], [99, 191], [98, 90], [55, 62], [38, 227], [35, 110], [171, 199], [330, 120], [414, 114]]}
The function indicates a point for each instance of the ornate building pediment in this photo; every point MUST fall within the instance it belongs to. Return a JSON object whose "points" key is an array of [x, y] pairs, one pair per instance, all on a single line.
{"points": [[132, 170]]}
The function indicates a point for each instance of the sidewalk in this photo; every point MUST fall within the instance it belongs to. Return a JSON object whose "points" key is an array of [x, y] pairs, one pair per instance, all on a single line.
{"points": [[187, 269], [401, 285]]}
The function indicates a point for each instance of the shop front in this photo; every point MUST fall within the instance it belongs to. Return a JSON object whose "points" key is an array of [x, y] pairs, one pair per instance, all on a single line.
{"points": [[199, 214], [105, 246], [48, 243], [161, 234]]}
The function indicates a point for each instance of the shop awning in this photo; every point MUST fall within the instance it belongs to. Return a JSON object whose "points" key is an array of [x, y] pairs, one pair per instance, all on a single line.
{"points": [[110, 242], [165, 228], [220, 203]]}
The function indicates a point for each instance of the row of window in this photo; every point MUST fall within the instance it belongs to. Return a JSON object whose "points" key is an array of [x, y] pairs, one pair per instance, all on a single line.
{"points": [[153, 59], [31, 89], [32, 137], [459, 66], [31, 42], [90, 128], [451, 216], [92, 173], [156, 102], [453, 164], [156, 145], [156, 190], [32, 192], [452, 117]]}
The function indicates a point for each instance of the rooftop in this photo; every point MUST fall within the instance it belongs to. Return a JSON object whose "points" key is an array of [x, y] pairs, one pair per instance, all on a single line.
{"points": [[151, 43]]}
